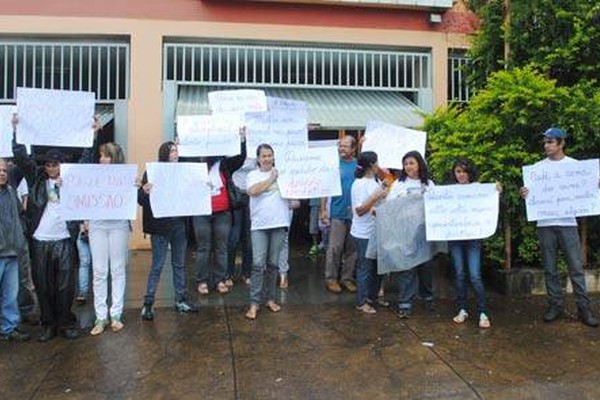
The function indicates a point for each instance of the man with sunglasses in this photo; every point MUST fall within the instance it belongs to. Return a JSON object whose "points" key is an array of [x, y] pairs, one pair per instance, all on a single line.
{"points": [[561, 233]]}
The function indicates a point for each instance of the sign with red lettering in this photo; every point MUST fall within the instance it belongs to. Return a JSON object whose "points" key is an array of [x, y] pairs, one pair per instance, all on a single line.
{"points": [[97, 191]]}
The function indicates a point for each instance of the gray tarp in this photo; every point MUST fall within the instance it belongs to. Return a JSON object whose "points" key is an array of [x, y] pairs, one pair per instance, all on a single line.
{"points": [[400, 236]]}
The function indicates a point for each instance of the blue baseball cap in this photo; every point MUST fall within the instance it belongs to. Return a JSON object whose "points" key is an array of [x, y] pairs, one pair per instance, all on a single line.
{"points": [[555, 133]]}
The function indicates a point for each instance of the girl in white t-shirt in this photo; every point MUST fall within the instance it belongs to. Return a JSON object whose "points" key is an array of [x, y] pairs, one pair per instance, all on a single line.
{"points": [[269, 223], [365, 194], [414, 178]]}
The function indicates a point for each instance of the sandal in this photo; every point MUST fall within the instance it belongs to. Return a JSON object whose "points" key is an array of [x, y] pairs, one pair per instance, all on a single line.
{"points": [[222, 288], [203, 289], [251, 313], [271, 305], [461, 317]]}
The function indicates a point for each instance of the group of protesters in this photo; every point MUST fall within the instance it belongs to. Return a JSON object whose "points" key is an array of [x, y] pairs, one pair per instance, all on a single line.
{"points": [[257, 219]]}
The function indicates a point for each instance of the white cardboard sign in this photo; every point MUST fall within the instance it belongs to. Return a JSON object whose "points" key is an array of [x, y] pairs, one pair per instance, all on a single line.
{"points": [[392, 142], [209, 135]]}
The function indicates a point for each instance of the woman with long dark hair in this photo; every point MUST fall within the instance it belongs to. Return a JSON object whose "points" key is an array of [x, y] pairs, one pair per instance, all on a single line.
{"points": [[413, 179], [366, 192]]}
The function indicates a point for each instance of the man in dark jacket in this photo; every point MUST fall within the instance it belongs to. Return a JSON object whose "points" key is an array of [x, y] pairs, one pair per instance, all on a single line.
{"points": [[52, 240], [11, 242], [164, 232]]}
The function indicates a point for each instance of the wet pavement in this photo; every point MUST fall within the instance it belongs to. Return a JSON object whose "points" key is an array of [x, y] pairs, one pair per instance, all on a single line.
{"points": [[317, 347]]}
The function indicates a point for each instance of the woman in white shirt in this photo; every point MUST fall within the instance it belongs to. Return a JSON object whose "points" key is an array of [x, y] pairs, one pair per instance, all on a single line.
{"points": [[108, 244], [414, 179], [269, 223], [365, 193]]}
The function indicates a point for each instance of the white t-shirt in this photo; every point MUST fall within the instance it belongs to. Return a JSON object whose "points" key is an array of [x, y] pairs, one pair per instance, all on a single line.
{"points": [[267, 210], [22, 189], [569, 221], [362, 189], [52, 226], [408, 186]]}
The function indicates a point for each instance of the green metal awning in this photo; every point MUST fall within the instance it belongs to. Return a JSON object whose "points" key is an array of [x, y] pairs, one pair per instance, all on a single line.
{"points": [[330, 109]]}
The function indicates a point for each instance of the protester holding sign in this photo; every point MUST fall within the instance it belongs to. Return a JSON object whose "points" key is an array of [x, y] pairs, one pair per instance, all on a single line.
{"points": [[53, 239], [366, 192], [212, 231], [270, 221], [108, 244], [164, 232], [464, 173], [561, 233], [414, 179]]}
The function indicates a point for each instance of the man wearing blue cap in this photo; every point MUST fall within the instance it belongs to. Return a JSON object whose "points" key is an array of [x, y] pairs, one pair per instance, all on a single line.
{"points": [[563, 233]]}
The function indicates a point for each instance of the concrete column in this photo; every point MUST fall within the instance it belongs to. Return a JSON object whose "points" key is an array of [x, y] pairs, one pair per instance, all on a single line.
{"points": [[144, 122], [439, 61]]}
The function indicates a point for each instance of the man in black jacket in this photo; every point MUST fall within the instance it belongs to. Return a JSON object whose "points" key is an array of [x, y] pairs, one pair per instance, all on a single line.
{"points": [[52, 240], [11, 242]]}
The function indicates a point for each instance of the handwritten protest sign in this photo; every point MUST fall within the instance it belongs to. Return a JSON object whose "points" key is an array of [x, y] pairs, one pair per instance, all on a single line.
{"points": [[391, 142], [56, 117], [241, 101], [285, 125], [95, 191], [401, 239], [179, 189], [461, 212], [209, 135], [562, 189], [6, 130], [309, 173]]}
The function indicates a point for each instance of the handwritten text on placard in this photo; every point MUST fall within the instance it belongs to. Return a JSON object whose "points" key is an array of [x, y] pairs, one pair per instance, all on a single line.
{"points": [[93, 191], [309, 173], [461, 212], [562, 189], [391, 142], [284, 126], [209, 135], [244, 100], [179, 189], [55, 117]]}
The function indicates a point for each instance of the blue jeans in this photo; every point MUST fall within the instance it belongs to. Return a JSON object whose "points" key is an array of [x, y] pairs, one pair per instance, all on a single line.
{"points": [[85, 265], [160, 243], [266, 247], [240, 235], [468, 251], [567, 238], [9, 289], [367, 279], [419, 278], [212, 236]]}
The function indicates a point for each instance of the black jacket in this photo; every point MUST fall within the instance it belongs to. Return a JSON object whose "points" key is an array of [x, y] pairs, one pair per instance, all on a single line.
{"points": [[152, 225], [11, 232]]}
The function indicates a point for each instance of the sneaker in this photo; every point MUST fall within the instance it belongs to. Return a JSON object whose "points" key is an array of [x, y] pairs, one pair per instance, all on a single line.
{"points": [[183, 307], [366, 308], [116, 324], [15, 336], [461, 316], [147, 313], [404, 313], [314, 250], [333, 287], [553, 313], [484, 321], [98, 327]]}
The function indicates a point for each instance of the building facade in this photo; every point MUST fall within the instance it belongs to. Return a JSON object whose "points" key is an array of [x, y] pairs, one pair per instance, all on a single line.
{"points": [[151, 60]]}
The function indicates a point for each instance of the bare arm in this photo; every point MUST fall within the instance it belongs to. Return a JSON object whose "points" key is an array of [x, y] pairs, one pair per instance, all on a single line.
{"points": [[259, 188]]}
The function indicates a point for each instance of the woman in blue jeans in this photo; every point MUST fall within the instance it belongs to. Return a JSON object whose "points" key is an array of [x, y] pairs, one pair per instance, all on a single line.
{"points": [[467, 253], [269, 223], [366, 192]]}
